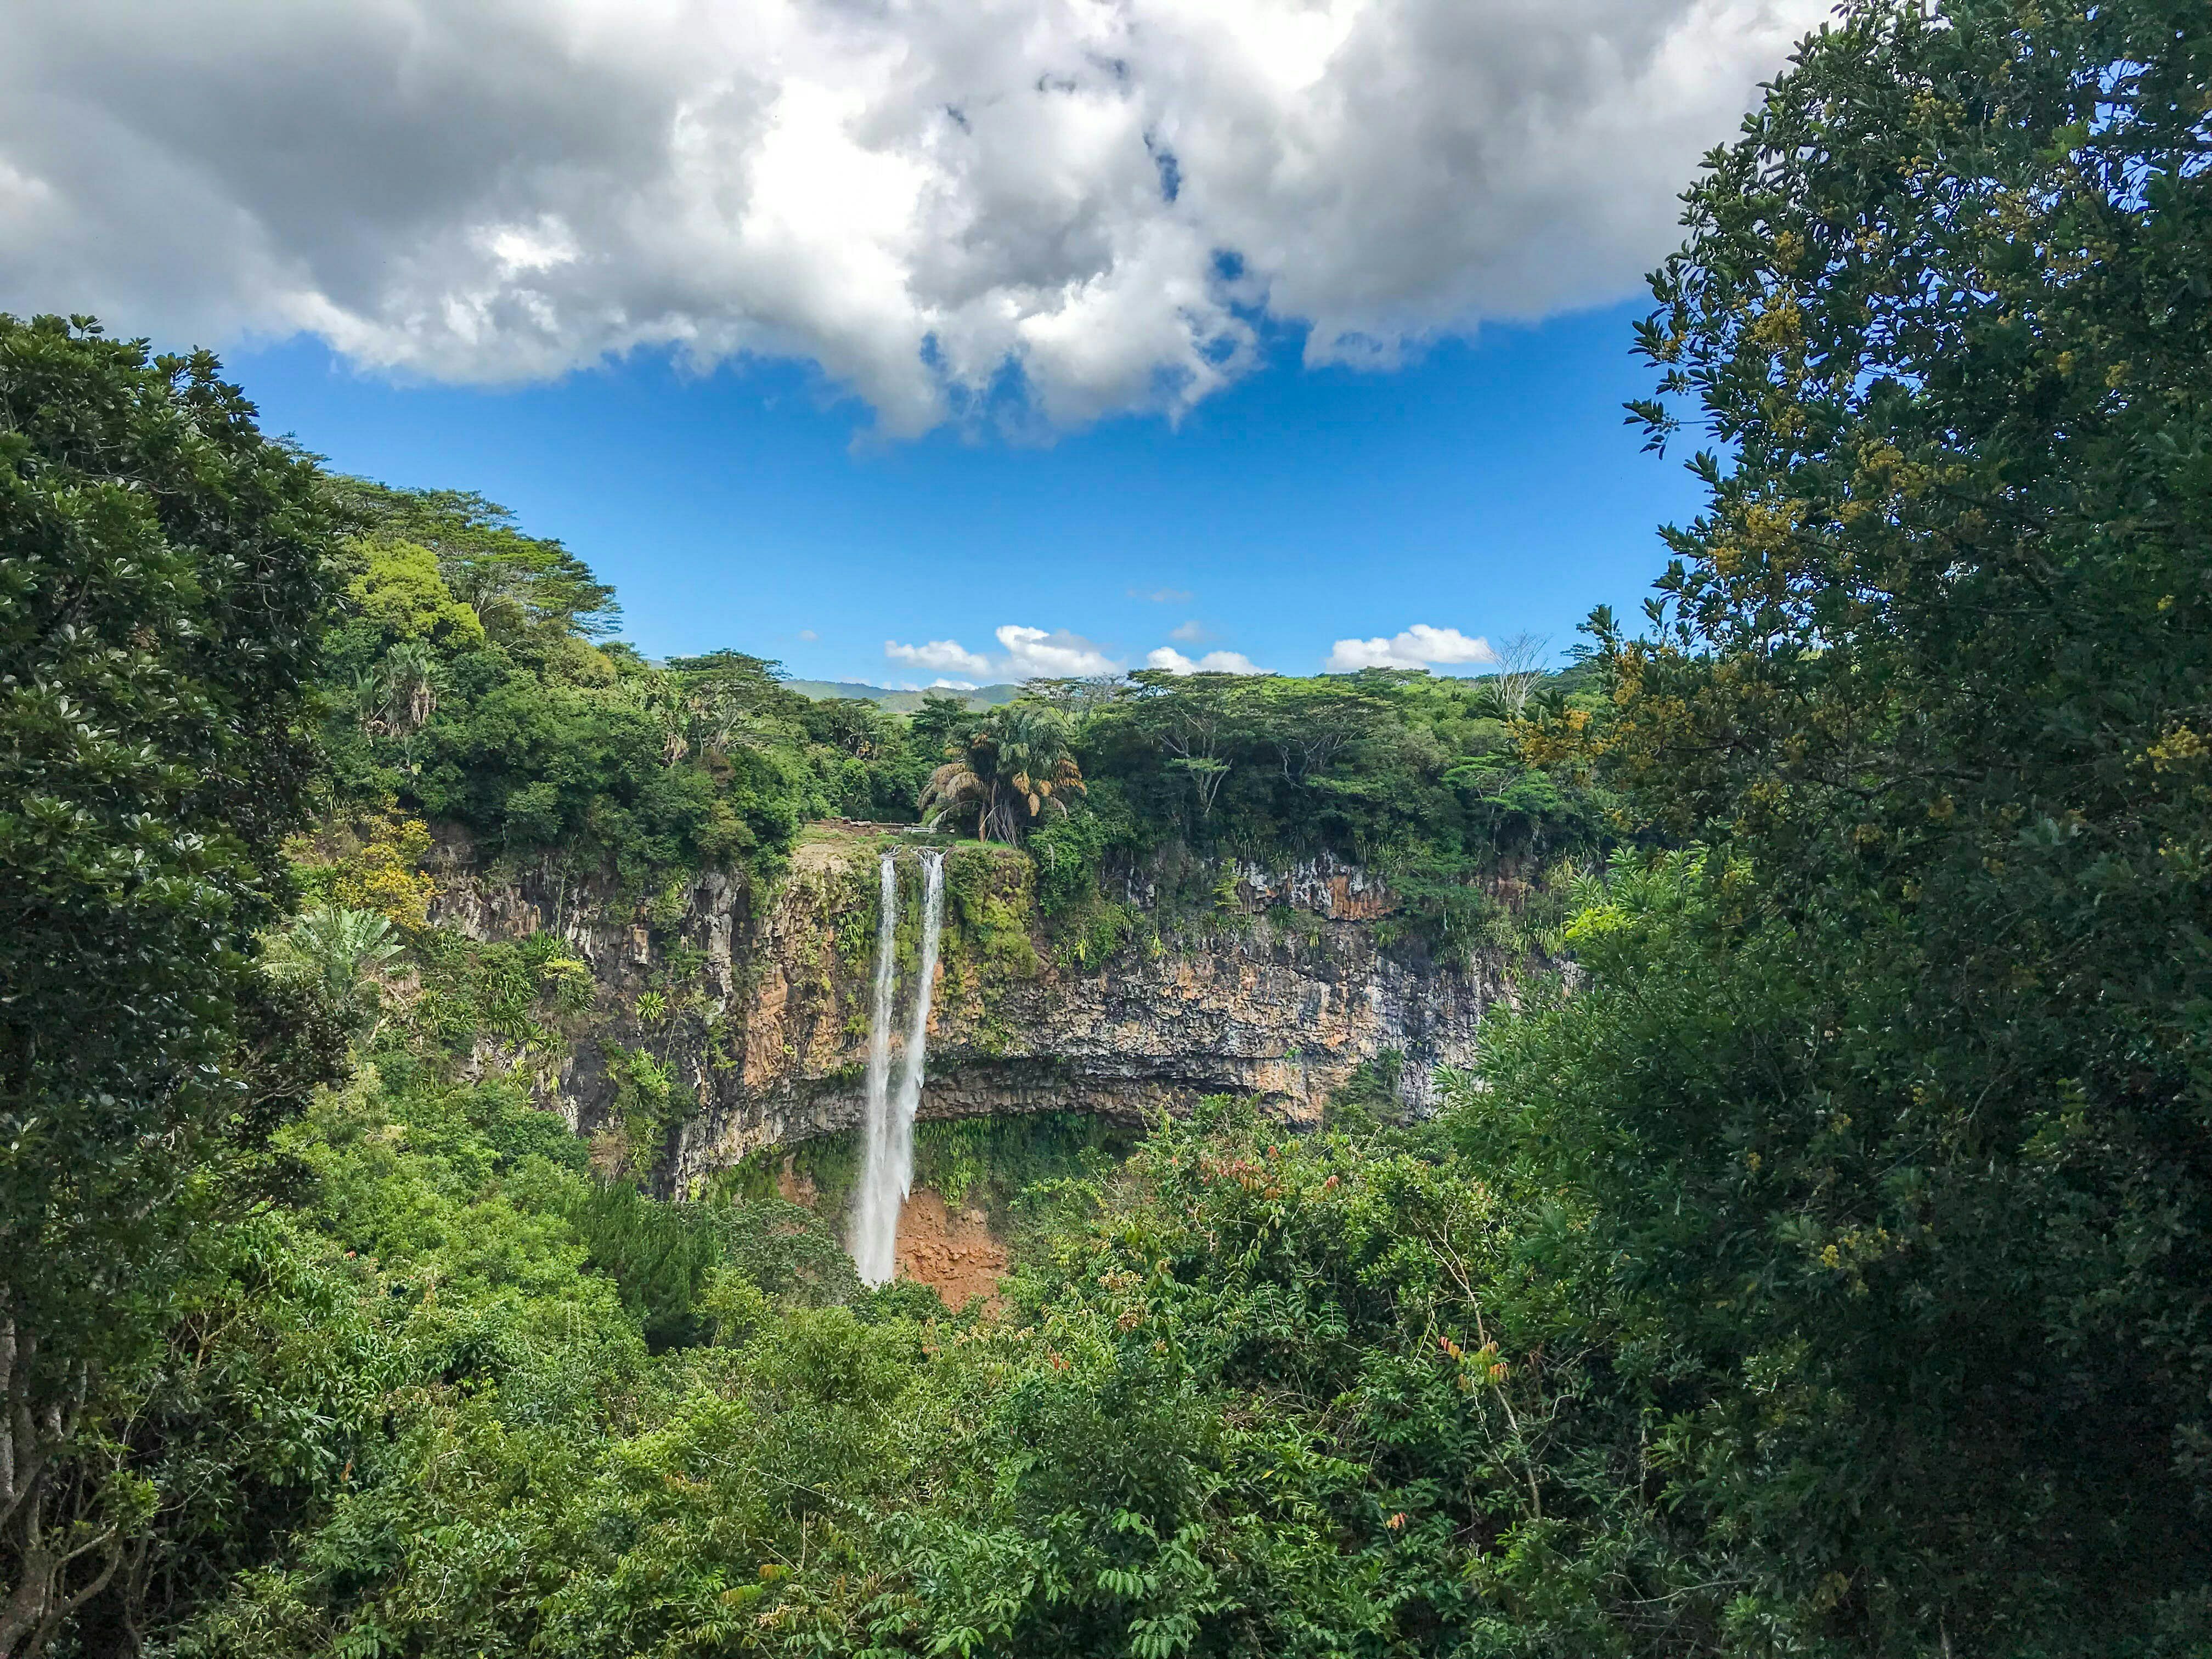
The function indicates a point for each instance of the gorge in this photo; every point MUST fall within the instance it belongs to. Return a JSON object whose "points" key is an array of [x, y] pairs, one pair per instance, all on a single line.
{"points": [[1701, 1154], [776, 1022]]}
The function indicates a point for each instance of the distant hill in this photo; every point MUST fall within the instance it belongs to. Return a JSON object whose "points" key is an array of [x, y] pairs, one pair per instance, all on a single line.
{"points": [[899, 703]]}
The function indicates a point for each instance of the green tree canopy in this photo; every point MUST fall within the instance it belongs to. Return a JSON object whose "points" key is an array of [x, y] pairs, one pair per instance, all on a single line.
{"points": [[1899, 1116], [401, 589], [164, 572], [512, 582]]}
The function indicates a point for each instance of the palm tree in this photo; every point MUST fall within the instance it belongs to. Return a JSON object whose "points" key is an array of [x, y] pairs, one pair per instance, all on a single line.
{"points": [[1018, 766], [339, 951], [399, 700], [701, 712], [658, 698]]}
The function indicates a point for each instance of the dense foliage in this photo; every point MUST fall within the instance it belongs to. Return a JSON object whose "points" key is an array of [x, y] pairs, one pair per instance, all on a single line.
{"points": [[1818, 1267], [1925, 1117], [469, 682], [163, 581], [1416, 777], [1171, 779], [1260, 1413], [464, 684]]}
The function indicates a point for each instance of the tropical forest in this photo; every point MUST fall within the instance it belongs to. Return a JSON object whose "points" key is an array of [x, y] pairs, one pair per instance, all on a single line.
{"points": [[1697, 1141]]}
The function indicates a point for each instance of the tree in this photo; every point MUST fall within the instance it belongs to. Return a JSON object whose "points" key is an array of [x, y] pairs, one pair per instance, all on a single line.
{"points": [[402, 692], [659, 697], [164, 569], [1019, 765], [337, 950], [942, 725], [1079, 696], [1915, 1169], [732, 697], [1199, 719], [512, 583], [1309, 722], [1519, 671], [854, 727], [400, 589]]}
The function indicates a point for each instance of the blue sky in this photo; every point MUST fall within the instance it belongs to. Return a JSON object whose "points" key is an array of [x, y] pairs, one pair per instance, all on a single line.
{"points": [[962, 325], [1488, 486]]}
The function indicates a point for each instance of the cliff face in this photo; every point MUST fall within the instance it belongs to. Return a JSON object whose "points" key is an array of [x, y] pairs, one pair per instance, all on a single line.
{"points": [[1280, 988]]}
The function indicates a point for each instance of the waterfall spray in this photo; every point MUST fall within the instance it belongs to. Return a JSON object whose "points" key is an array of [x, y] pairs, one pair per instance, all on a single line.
{"points": [[887, 1175]]}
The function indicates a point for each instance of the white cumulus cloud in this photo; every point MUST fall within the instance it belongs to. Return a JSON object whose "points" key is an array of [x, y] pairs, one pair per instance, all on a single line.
{"points": [[1025, 653], [1214, 662], [1031, 654], [1091, 201], [943, 655], [1419, 647]]}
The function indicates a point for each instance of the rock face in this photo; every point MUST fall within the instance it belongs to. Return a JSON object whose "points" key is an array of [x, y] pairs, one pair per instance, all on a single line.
{"points": [[1281, 988], [953, 1251]]}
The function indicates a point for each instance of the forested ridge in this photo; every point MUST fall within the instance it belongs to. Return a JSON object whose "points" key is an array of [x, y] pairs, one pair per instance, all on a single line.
{"points": [[1818, 1262]]}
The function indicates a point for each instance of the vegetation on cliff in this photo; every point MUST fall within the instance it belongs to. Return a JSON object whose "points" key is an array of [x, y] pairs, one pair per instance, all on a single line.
{"points": [[1824, 1273], [468, 680]]}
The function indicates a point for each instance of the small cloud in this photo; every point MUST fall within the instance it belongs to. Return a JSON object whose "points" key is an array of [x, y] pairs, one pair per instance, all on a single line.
{"points": [[1190, 633], [1163, 595], [808, 634], [1033, 653], [944, 655], [952, 686], [1028, 653], [1419, 647], [1214, 662]]}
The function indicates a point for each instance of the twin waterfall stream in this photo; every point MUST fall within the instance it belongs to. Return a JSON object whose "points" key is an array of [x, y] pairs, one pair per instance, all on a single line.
{"points": [[887, 1172]]}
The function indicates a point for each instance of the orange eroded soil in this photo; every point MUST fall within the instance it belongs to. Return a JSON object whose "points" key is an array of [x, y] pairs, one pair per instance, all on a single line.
{"points": [[950, 1251]]}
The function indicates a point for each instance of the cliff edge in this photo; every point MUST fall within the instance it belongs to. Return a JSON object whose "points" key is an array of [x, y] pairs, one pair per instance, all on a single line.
{"points": [[750, 1008]]}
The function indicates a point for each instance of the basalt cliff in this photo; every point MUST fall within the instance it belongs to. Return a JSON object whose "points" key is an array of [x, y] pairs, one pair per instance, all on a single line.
{"points": [[751, 1003]]}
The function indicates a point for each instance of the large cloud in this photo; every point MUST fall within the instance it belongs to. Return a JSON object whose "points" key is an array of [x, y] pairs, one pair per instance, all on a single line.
{"points": [[1088, 200]]}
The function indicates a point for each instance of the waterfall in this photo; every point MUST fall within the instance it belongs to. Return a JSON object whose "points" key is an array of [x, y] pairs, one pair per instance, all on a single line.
{"points": [[876, 1163], [887, 1172], [908, 1100]]}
